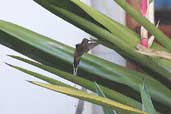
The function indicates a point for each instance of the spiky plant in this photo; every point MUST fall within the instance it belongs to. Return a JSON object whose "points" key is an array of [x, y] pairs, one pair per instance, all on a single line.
{"points": [[150, 91]]}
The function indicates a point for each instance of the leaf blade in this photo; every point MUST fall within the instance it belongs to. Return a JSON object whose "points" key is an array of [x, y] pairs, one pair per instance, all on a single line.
{"points": [[99, 92], [110, 40], [88, 97], [151, 82], [146, 100], [58, 55], [87, 84]]}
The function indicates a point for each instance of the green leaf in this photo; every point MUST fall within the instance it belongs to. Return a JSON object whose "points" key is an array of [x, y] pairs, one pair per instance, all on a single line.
{"points": [[55, 82], [108, 39], [110, 93], [85, 83], [111, 25], [146, 100], [88, 97], [58, 55], [157, 90], [40, 76], [99, 91]]}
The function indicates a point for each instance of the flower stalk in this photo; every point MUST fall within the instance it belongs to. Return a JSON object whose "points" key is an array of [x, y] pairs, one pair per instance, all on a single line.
{"points": [[145, 44], [144, 33]]}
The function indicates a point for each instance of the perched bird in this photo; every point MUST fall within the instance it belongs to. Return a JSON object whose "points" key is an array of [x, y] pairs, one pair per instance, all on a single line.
{"points": [[82, 48]]}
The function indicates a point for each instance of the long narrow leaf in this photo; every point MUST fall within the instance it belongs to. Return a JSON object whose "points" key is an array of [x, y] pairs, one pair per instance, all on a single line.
{"points": [[87, 84], [53, 53], [110, 93], [88, 97], [111, 25], [108, 39], [146, 100], [100, 92], [56, 82], [40, 76], [157, 90]]}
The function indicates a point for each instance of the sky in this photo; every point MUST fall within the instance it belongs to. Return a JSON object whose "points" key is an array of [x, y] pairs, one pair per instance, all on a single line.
{"points": [[18, 96]]}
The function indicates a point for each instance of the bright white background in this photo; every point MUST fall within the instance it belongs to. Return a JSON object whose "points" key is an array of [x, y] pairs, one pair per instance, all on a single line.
{"points": [[19, 97]]}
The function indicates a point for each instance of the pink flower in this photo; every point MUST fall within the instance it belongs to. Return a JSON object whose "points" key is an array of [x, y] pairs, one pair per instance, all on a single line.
{"points": [[144, 6], [144, 33], [144, 42]]}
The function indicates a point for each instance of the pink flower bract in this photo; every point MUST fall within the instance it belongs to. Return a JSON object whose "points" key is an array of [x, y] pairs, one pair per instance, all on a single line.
{"points": [[144, 42], [144, 6]]}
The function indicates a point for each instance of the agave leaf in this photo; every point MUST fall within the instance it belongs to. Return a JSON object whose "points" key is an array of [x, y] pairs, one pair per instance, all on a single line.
{"points": [[108, 39], [161, 37], [157, 90], [88, 97], [146, 100]]}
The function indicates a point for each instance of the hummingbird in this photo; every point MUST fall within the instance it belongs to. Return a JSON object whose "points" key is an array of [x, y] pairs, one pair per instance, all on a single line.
{"points": [[82, 48]]}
